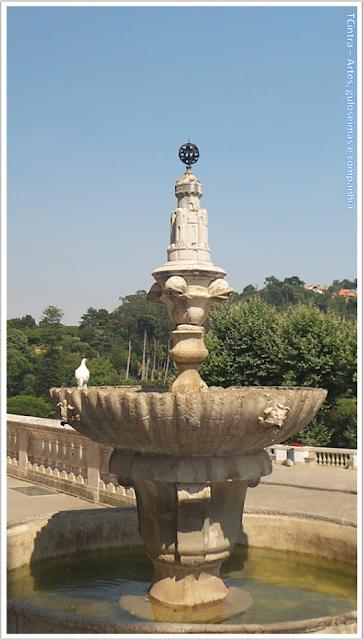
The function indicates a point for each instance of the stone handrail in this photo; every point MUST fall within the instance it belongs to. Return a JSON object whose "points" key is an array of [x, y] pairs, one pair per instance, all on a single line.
{"points": [[43, 451], [315, 456]]}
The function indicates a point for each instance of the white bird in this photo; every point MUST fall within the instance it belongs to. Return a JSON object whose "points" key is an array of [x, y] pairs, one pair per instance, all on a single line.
{"points": [[82, 375]]}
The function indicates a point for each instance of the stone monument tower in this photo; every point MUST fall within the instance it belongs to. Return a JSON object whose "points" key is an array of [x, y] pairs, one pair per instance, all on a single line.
{"points": [[188, 283]]}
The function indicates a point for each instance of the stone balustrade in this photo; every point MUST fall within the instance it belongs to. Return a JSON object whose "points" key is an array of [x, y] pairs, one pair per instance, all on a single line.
{"points": [[314, 456], [42, 451]]}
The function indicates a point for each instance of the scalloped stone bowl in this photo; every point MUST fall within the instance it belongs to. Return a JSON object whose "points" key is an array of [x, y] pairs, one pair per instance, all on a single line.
{"points": [[216, 422]]}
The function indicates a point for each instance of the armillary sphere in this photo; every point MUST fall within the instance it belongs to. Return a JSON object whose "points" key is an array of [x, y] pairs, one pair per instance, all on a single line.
{"points": [[189, 153]]}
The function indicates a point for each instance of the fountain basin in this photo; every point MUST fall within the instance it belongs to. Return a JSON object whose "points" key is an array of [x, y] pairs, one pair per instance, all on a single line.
{"points": [[215, 422], [74, 532], [190, 457]]}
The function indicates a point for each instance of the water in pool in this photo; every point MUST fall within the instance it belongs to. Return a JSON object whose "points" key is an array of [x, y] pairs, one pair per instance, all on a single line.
{"points": [[273, 586]]}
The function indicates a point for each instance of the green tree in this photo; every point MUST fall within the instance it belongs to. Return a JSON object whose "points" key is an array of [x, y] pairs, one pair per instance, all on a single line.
{"points": [[29, 385], [342, 423], [243, 345], [18, 362], [17, 340], [49, 371], [51, 328], [30, 406], [251, 343], [49, 367], [102, 373], [26, 322], [17, 368], [318, 350], [272, 293]]}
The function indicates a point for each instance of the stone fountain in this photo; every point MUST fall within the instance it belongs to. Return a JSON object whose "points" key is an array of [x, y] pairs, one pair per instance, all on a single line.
{"points": [[190, 452]]}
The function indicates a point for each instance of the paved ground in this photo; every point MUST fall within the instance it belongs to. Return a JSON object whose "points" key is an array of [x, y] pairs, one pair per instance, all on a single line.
{"points": [[21, 506], [327, 478], [323, 491]]}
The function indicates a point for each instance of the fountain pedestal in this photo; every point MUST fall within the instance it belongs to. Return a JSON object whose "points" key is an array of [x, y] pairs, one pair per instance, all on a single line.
{"points": [[190, 513]]}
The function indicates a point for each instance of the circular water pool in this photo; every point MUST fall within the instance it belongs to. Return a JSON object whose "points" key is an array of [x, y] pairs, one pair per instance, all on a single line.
{"points": [[276, 586]]}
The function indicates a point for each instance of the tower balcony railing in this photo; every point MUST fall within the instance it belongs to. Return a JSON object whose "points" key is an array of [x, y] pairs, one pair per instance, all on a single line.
{"points": [[42, 451]]}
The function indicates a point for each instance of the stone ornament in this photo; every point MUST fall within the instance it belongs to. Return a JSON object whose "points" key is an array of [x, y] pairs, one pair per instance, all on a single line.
{"points": [[63, 408], [189, 153], [274, 416], [189, 304]]}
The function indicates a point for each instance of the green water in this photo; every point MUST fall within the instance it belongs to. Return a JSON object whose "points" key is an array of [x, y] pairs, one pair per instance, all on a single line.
{"points": [[284, 586]]}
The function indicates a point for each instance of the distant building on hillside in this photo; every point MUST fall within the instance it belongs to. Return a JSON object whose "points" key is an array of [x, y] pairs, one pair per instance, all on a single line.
{"points": [[317, 288], [346, 293]]}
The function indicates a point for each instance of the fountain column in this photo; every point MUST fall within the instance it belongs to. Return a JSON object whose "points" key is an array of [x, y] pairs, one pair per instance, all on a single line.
{"points": [[189, 283]]}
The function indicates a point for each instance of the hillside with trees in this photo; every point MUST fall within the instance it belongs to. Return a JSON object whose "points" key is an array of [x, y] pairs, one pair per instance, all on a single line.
{"points": [[283, 334]]}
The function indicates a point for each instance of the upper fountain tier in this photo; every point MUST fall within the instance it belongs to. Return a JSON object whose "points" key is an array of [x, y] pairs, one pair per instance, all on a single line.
{"points": [[189, 250]]}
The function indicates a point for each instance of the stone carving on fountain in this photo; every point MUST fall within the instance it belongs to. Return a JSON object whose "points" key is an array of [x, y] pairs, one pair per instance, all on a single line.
{"points": [[190, 454]]}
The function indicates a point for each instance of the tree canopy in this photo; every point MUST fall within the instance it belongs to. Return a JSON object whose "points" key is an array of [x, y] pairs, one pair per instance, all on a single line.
{"points": [[251, 343]]}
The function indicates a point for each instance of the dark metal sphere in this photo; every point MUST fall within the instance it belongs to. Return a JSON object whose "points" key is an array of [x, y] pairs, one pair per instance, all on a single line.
{"points": [[189, 153]]}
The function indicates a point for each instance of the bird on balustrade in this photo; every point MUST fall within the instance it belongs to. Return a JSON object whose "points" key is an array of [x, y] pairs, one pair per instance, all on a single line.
{"points": [[82, 375]]}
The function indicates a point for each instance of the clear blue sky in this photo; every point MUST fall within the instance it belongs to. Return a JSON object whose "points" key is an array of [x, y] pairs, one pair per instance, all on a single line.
{"points": [[100, 100]]}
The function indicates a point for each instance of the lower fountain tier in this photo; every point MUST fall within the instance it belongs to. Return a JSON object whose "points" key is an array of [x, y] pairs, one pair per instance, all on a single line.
{"points": [[190, 514]]}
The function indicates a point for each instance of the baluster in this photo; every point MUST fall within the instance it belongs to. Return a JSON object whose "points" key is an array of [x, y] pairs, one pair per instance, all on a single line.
{"points": [[10, 445], [68, 457], [16, 443], [45, 454], [104, 472], [53, 453], [31, 450], [38, 451], [84, 463], [76, 460], [60, 456]]}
